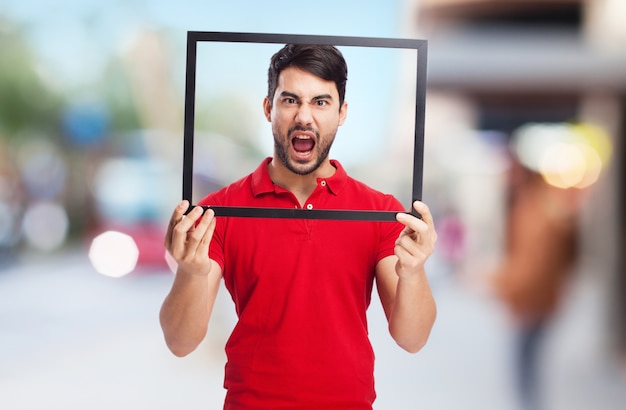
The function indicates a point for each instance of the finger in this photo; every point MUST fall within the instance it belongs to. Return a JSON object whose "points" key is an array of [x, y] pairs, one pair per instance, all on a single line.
{"points": [[207, 225], [409, 252], [424, 211], [177, 216], [198, 230], [199, 236], [179, 211], [419, 246], [182, 229], [412, 223], [401, 252], [430, 234], [410, 243]]}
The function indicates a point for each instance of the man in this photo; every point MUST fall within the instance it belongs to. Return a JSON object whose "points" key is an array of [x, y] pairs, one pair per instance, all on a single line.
{"points": [[301, 287]]}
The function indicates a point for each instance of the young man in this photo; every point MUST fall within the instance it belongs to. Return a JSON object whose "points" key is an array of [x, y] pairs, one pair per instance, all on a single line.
{"points": [[301, 287]]}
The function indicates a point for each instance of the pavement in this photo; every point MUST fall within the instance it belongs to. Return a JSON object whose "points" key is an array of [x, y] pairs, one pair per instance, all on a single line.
{"points": [[73, 339]]}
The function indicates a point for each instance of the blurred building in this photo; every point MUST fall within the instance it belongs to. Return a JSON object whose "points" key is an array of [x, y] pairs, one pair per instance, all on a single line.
{"points": [[496, 65]]}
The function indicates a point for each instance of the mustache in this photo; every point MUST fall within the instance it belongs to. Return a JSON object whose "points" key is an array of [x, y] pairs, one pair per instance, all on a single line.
{"points": [[304, 129]]}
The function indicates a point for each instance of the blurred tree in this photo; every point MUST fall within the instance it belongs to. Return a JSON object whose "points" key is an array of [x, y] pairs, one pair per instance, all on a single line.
{"points": [[233, 117], [116, 92], [25, 100], [34, 106]]}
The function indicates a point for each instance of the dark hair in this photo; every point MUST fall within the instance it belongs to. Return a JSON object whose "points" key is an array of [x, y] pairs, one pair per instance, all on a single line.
{"points": [[323, 61]]}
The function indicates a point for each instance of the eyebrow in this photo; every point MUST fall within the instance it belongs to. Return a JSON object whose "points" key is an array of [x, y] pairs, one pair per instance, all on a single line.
{"points": [[296, 97], [322, 97]]}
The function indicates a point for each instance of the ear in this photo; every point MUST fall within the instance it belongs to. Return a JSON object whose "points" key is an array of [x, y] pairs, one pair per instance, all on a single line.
{"points": [[343, 113], [267, 109]]}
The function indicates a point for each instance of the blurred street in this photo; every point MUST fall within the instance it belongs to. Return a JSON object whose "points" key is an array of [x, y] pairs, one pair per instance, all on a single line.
{"points": [[73, 339], [524, 147]]}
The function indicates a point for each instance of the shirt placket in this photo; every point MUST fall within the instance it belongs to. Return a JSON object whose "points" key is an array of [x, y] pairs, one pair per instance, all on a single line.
{"points": [[315, 201]]}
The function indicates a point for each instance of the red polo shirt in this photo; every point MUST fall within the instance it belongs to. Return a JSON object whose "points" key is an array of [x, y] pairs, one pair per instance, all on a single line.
{"points": [[301, 289]]}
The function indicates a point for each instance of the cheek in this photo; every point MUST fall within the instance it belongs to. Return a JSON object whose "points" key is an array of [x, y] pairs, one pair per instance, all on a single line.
{"points": [[330, 124], [283, 120], [277, 128]]}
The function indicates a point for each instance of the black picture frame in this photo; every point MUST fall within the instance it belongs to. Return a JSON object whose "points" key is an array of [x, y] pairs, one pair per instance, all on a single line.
{"points": [[195, 37]]}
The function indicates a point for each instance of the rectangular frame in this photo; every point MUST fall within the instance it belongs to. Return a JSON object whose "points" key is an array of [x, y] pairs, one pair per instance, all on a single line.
{"points": [[193, 37]]}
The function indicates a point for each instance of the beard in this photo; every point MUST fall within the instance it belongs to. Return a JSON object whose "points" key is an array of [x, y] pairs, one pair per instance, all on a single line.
{"points": [[282, 144]]}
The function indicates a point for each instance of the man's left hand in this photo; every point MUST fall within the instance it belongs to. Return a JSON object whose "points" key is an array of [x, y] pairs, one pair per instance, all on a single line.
{"points": [[416, 242]]}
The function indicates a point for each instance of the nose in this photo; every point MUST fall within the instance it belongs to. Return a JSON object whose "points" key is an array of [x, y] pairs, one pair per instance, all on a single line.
{"points": [[304, 115]]}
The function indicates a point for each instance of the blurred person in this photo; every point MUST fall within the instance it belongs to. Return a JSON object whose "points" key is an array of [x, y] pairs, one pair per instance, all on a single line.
{"points": [[452, 239], [12, 198], [301, 287], [540, 253]]}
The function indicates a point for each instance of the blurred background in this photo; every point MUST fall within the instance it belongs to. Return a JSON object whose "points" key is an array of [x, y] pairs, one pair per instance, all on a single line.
{"points": [[525, 128]]}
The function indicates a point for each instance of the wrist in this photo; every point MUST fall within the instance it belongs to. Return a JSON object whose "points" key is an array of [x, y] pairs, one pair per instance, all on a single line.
{"points": [[416, 276], [195, 271]]}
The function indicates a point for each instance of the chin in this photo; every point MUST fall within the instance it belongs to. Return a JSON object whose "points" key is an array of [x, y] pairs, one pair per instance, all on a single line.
{"points": [[303, 168]]}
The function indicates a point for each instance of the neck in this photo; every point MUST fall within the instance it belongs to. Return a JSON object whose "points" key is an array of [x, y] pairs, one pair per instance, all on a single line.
{"points": [[302, 186]]}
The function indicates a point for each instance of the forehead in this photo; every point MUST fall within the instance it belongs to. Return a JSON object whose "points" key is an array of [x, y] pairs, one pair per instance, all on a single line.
{"points": [[303, 83]]}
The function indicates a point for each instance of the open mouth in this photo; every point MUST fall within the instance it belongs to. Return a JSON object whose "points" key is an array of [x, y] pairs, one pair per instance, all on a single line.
{"points": [[302, 144]]}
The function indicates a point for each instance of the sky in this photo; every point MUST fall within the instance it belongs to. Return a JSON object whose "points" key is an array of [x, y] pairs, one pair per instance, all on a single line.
{"points": [[74, 38], [77, 34]]}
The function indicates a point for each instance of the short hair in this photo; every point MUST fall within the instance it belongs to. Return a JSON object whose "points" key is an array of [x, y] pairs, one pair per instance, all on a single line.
{"points": [[324, 61]]}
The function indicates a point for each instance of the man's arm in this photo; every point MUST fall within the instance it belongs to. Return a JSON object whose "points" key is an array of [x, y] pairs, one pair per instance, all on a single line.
{"points": [[187, 308], [402, 283]]}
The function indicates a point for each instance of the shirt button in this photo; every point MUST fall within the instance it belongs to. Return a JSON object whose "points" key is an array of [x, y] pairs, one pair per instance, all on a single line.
{"points": [[309, 206], [323, 183]]}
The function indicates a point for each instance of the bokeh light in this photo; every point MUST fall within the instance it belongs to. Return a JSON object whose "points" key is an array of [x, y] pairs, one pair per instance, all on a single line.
{"points": [[43, 167], [45, 225], [92, 97], [114, 254], [171, 263], [566, 155]]}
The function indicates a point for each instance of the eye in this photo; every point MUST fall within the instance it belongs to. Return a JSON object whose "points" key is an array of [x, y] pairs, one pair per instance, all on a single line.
{"points": [[321, 103]]}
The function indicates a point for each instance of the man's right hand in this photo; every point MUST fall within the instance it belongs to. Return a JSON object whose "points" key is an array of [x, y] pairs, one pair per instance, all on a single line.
{"points": [[188, 238]]}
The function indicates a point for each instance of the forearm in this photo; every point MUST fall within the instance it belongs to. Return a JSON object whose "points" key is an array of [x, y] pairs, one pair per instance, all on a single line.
{"points": [[186, 311], [413, 313]]}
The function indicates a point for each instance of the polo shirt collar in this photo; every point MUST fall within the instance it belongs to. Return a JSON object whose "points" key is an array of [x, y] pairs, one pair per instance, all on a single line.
{"points": [[338, 180], [262, 183]]}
